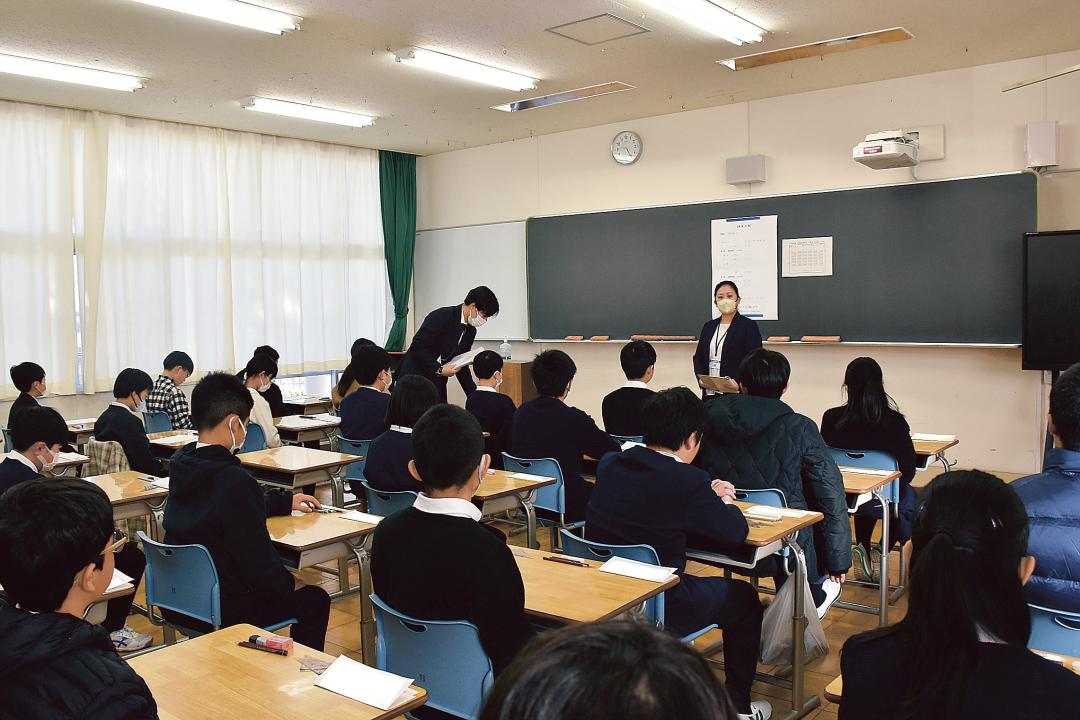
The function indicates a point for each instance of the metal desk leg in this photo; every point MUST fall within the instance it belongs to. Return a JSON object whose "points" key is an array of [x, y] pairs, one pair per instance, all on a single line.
{"points": [[799, 706], [530, 518], [337, 488], [367, 615], [883, 581]]}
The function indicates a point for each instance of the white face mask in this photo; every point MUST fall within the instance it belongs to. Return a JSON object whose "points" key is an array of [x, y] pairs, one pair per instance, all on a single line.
{"points": [[141, 406], [265, 386], [726, 306], [46, 465], [233, 445], [498, 382], [477, 320]]}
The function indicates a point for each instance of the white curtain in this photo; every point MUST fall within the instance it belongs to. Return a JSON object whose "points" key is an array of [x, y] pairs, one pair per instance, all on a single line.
{"points": [[40, 179]]}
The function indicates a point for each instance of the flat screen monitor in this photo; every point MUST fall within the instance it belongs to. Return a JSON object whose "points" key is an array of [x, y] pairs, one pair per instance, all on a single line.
{"points": [[1051, 333]]}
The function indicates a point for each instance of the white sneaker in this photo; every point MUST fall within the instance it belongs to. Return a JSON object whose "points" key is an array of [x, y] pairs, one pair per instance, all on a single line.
{"points": [[832, 592], [759, 710], [127, 640]]}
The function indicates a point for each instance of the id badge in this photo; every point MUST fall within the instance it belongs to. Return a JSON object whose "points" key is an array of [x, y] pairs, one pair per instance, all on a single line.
{"points": [[714, 368]]}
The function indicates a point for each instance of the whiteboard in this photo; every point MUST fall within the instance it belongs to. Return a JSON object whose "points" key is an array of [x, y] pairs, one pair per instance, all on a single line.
{"points": [[449, 263]]}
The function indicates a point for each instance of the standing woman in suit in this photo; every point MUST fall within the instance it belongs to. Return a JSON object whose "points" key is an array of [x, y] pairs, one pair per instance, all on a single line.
{"points": [[725, 340], [445, 334]]}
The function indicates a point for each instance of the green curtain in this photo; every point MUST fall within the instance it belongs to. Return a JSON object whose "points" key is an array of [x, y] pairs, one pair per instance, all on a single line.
{"points": [[397, 191]]}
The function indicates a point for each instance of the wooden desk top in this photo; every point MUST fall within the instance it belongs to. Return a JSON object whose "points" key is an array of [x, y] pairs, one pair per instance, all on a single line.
{"points": [[293, 460], [567, 593], [857, 483], [129, 487], [81, 425], [312, 530], [764, 533], [834, 691], [933, 447], [499, 484], [212, 678]]}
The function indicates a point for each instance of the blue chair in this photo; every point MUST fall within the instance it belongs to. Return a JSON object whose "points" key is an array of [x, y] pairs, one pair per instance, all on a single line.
{"points": [[772, 497], [354, 471], [871, 460], [385, 502], [184, 579], [627, 438], [255, 439], [156, 422], [8, 447], [550, 497], [1054, 630], [445, 657]]}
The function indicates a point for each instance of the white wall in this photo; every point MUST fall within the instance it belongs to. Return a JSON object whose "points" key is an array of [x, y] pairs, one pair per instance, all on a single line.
{"points": [[979, 394]]}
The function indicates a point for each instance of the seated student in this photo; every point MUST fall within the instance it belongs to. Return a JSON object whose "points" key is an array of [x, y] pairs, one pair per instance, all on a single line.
{"points": [[258, 375], [547, 427], [961, 650], [870, 421], [756, 441], [1052, 500], [363, 414], [213, 501], [622, 407], [37, 435], [387, 464], [272, 394], [615, 670], [122, 423], [493, 410], [167, 397], [29, 379], [347, 383], [435, 561], [653, 496]]}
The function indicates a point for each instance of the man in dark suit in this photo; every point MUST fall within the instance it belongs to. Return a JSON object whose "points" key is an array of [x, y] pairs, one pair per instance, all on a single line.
{"points": [[37, 434], [622, 407], [445, 334], [29, 379]]}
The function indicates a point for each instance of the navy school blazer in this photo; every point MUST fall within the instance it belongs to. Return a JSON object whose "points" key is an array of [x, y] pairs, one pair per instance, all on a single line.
{"points": [[440, 338], [742, 337]]}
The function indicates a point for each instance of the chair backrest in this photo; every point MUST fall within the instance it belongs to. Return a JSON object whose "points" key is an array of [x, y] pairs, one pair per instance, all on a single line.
{"points": [[1054, 630], [549, 497], [182, 578], [627, 438], [354, 471], [106, 457], [871, 460], [8, 447], [255, 439], [384, 502], [156, 422], [773, 497], [588, 550], [445, 657]]}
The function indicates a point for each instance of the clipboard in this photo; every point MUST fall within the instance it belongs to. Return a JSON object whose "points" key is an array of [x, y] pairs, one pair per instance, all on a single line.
{"points": [[718, 384]]}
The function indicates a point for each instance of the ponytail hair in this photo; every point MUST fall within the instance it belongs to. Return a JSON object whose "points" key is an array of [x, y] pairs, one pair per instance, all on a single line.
{"points": [[348, 375], [257, 364], [867, 401]]}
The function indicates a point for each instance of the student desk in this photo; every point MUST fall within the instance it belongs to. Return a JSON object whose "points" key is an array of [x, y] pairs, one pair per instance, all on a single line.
{"points": [[211, 678], [925, 450], [307, 404], [132, 496], [82, 429], [167, 442], [501, 491], [571, 594], [294, 467], [308, 431], [860, 483], [96, 611], [66, 463], [762, 540], [306, 539]]}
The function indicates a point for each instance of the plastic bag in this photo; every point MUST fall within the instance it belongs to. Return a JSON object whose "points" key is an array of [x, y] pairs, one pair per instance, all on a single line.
{"points": [[776, 635]]}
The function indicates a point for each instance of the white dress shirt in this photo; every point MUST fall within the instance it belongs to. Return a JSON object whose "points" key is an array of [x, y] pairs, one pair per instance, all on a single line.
{"points": [[447, 506]]}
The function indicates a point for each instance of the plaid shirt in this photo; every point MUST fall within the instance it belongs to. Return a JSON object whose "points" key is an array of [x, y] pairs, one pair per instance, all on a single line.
{"points": [[106, 457], [167, 398]]}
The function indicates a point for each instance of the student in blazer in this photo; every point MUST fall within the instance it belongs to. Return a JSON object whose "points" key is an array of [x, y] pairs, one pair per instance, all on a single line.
{"points": [[29, 379], [122, 423], [491, 408], [387, 465], [445, 334], [726, 340], [622, 407]]}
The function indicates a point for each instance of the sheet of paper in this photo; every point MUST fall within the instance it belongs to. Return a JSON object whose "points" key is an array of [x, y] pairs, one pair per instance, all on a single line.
{"points": [[866, 471], [70, 457], [629, 444], [177, 440], [464, 358], [744, 251], [763, 512], [81, 421], [365, 684], [162, 483], [806, 257], [118, 579], [927, 437], [295, 422], [635, 569], [362, 517], [527, 476]]}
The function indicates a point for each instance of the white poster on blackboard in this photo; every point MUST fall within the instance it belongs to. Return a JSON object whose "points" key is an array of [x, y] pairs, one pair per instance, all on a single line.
{"points": [[744, 251], [806, 257]]}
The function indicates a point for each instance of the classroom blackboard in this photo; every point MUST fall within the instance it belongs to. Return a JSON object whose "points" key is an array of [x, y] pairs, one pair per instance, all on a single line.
{"points": [[931, 262]]}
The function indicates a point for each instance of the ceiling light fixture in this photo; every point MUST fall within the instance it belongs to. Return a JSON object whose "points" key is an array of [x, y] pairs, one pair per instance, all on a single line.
{"points": [[465, 69], [565, 96], [825, 47], [232, 12], [308, 112], [29, 67], [712, 19]]}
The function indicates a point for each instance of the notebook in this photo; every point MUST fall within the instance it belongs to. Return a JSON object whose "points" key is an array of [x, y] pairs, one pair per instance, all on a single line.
{"points": [[365, 684], [635, 569]]}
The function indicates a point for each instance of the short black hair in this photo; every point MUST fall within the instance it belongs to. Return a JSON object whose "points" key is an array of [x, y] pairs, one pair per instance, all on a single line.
{"points": [[38, 424], [181, 358], [130, 381], [50, 529], [447, 444], [267, 350], [602, 671], [259, 363], [412, 397], [672, 416], [733, 286], [368, 361], [1065, 407], [487, 364], [216, 397], [26, 374], [552, 371], [484, 299], [764, 373], [636, 357], [359, 343]]}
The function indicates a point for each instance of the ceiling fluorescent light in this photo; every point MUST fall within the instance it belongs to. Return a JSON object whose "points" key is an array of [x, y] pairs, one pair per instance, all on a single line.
{"points": [[232, 12], [465, 69], [825, 47], [712, 19], [17, 65], [564, 97], [308, 112]]}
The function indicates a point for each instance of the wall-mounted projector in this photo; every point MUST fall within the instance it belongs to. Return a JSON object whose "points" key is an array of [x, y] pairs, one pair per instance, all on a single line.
{"points": [[889, 149]]}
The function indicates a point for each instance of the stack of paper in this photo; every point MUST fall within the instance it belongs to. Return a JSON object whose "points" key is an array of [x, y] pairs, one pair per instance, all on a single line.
{"points": [[527, 476], [635, 569], [464, 358], [296, 422], [866, 471], [363, 517], [365, 684], [70, 457], [763, 512], [927, 437], [178, 440], [118, 579]]}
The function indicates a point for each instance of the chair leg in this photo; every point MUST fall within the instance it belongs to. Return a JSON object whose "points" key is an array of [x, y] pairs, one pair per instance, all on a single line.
{"points": [[554, 538]]}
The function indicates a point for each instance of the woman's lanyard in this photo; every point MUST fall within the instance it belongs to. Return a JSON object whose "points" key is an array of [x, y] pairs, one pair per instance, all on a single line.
{"points": [[719, 337]]}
